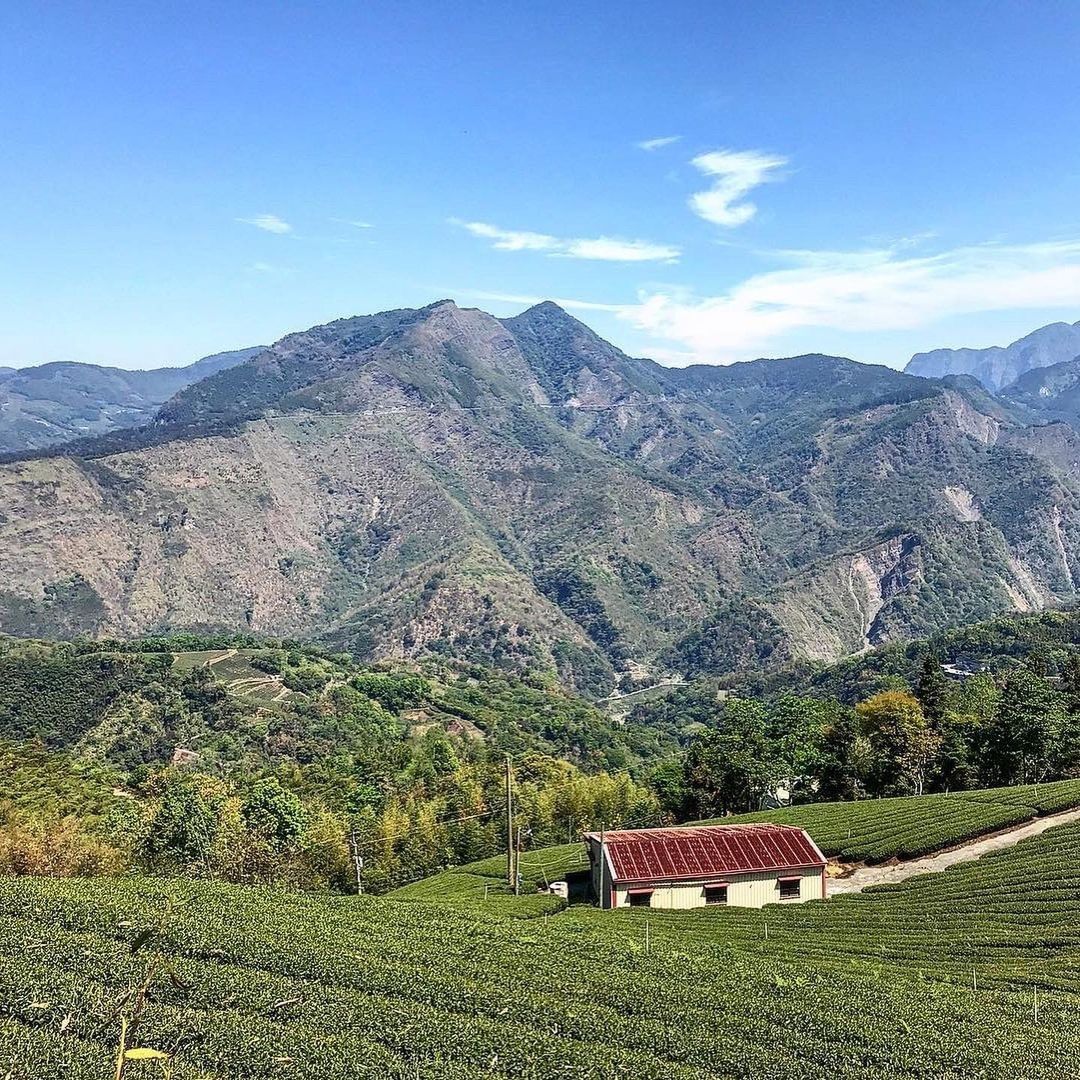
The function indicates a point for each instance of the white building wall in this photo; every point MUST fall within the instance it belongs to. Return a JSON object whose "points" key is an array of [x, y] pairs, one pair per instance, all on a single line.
{"points": [[744, 890]]}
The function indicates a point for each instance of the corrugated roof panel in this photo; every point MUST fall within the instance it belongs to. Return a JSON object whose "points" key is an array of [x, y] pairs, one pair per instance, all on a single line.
{"points": [[704, 851]]}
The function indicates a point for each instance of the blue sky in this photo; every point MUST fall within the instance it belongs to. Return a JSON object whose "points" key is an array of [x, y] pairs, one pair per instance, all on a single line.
{"points": [[866, 180]]}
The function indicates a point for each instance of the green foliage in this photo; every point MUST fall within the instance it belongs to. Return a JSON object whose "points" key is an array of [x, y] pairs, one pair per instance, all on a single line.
{"points": [[273, 813], [185, 825], [568, 587], [395, 691], [1030, 734], [728, 767], [996, 645], [282, 750], [740, 635]]}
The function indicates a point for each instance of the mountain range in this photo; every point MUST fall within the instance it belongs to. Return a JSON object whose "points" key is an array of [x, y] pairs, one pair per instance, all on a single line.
{"points": [[522, 493], [1000, 366], [54, 403]]}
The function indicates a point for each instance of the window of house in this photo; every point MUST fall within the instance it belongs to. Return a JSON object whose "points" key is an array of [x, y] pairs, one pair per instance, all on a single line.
{"points": [[789, 888], [716, 894], [640, 897]]}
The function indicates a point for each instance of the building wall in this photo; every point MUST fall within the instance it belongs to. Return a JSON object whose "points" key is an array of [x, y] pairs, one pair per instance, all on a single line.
{"points": [[744, 890]]}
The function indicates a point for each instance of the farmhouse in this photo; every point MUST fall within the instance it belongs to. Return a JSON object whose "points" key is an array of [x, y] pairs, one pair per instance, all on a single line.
{"points": [[739, 865]]}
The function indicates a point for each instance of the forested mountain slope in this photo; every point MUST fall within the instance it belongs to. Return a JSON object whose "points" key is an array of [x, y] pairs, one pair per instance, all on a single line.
{"points": [[522, 493]]}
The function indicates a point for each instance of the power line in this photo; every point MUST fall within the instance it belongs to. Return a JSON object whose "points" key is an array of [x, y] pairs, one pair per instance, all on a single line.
{"points": [[429, 824]]}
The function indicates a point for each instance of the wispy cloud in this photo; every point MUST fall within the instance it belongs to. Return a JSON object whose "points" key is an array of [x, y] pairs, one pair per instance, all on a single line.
{"points": [[528, 301], [268, 223], [657, 144], [734, 173], [874, 290], [603, 248], [355, 224]]}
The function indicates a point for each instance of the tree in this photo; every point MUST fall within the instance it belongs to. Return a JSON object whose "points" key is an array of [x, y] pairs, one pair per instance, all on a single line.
{"points": [[803, 731], [273, 813], [726, 770], [932, 691], [668, 780], [902, 744], [185, 824], [1070, 680], [1028, 736]]}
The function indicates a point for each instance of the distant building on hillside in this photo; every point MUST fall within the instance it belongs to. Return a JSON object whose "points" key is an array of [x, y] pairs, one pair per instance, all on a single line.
{"points": [[738, 865]]}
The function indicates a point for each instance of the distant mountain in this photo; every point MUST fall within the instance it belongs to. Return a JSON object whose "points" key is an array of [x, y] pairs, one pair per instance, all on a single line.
{"points": [[1046, 394], [437, 481], [54, 403], [999, 366]]}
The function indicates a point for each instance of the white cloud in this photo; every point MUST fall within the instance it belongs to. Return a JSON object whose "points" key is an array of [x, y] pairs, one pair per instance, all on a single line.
{"points": [[734, 173], [875, 290], [610, 249], [529, 301], [268, 223], [509, 239], [603, 248], [657, 144], [353, 223]]}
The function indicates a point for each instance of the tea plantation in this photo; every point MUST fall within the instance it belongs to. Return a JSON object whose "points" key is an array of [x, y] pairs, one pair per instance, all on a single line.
{"points": [[970, 973]]}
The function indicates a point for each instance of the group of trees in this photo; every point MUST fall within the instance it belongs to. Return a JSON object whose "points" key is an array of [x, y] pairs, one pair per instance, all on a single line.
{"points": [[937, 735], [299, 826]]}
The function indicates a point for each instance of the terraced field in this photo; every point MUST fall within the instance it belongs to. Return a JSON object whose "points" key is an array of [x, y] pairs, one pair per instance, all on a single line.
{"points": [[233, 668], [878, 829], [970, 973]]}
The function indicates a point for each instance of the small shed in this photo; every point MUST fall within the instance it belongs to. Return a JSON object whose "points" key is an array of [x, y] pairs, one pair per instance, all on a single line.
{"points": [[739, 865]]}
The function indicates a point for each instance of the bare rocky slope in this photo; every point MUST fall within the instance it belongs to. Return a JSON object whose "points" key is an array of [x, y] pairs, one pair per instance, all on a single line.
{"points": [[521, 492]]}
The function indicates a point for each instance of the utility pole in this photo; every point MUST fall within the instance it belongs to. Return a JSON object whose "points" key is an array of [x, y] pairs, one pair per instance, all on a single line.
{"points": [[511, 868], [517, 862], [358, 861], [603, 895]]}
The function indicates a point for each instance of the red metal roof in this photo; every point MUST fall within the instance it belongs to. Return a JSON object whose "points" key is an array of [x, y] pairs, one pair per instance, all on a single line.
{"points": [[705, 851]]}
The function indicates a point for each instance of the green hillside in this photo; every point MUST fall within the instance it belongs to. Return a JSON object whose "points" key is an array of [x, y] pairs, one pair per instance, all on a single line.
{"points": [[265, 761], [970, 973]]}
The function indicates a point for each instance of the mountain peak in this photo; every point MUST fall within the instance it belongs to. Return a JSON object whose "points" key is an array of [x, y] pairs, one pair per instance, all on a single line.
{"points": [[549, 317], [440, 305], [571, 359], [546, 307]]}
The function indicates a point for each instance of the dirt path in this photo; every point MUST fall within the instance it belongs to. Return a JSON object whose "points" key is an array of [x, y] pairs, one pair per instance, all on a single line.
{"points": [[866, 876]]}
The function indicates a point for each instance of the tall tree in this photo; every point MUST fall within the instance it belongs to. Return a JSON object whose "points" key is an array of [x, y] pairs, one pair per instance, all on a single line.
{"points": [[932, 691], [903, 746], [728, 769], [1028, 736]]}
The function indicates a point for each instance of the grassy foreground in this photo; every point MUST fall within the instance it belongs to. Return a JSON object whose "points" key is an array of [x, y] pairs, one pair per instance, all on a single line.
{"points": [[937, 977]]}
